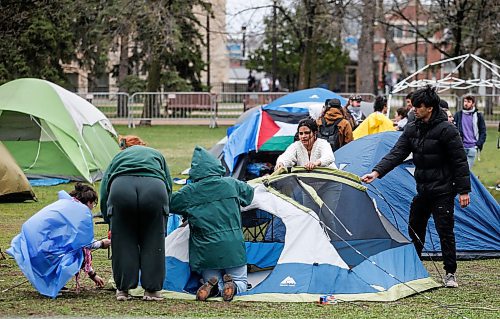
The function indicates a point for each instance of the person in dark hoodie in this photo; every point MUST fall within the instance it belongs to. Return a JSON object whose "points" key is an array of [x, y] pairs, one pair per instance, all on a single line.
{"points": [[441, 171], [211, 203]]}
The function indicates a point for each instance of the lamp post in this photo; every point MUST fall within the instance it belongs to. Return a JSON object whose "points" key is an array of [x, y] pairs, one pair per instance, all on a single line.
{"points": [[243, 30], [273, 87]]}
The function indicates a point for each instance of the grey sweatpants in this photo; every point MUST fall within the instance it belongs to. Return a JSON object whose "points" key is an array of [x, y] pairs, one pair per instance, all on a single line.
{"points": [[138, 206]]}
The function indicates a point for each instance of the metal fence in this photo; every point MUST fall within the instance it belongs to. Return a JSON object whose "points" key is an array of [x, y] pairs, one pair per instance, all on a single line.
{"points": [[224, 108], [113, 105]]}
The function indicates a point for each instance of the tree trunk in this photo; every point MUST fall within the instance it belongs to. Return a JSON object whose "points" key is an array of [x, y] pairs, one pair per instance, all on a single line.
{"points": [[307, 70], [122, 110], [152, 102], [365, 72]]}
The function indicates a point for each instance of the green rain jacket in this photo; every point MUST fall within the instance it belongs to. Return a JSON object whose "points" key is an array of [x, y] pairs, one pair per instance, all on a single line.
{"points": [[134, 161], [212, 206]]}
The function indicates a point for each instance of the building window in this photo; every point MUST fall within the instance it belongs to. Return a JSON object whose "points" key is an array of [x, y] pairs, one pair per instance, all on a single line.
{"points": [[100, 84], [410, 62], [398, 31]]}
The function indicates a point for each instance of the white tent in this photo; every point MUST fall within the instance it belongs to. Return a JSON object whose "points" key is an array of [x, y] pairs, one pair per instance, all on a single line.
{"points": [[449, 80]]}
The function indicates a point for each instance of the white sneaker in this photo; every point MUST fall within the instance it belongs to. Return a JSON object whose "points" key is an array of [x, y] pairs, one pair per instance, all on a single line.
{"points": [[152, 296], [450, 281], [122, 295]]}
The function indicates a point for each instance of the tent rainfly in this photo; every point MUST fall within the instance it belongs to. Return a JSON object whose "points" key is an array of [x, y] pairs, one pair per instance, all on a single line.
{"points": [[52, 132], [309, 234]]}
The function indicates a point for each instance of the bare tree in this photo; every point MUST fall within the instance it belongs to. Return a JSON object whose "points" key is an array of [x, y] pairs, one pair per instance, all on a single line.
{"points": [[365, 73]]}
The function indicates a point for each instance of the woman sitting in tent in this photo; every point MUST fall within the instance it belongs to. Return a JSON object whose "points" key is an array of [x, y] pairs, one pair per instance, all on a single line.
{"points": [[308, 151], [55, 243], [376, 122]]}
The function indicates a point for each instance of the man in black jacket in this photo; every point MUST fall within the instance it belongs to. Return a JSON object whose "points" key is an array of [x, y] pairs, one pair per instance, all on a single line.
{"points": [[441, 172]]}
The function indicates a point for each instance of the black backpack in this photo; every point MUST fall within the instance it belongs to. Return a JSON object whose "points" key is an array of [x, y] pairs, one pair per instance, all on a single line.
{"points": [[330, 133]]}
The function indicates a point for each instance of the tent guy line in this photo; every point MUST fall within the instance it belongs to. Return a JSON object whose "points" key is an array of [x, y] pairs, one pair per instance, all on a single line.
{"points": [[429, 229]]}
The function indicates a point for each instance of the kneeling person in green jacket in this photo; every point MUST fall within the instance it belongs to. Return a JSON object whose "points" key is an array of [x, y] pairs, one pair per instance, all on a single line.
{"points": [[211, 205]]}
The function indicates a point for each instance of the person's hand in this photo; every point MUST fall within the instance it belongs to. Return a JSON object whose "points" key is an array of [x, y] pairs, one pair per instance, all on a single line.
{"points": [[99, 282], [368, 178], [278, 166], [464, 200], [105, 243], [311, 165]]}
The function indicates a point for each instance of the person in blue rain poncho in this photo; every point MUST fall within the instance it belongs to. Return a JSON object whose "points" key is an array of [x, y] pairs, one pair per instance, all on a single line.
{"points": [[54, 244]]}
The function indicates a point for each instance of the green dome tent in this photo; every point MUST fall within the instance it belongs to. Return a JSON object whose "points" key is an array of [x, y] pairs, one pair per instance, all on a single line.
{"points": [[52, 132], [14, 187]]}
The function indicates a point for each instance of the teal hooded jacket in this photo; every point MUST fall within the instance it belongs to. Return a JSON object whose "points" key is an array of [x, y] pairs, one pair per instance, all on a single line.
{"points": [[212, 206]]}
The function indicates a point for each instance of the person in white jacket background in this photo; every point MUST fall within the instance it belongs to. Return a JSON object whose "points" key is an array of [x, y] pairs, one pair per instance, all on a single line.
{"points": [[308, 151]]}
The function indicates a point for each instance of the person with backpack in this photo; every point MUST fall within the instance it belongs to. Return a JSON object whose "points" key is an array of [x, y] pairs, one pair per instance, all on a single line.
{"points": [[333, 127]]}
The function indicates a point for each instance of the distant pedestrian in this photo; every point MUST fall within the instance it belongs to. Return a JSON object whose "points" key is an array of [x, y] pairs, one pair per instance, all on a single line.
{"points": [[265, 84], [440, 173], [472, 128], [410, 108], [352, 111], [251, 82], [401, 118], [376, 122]]}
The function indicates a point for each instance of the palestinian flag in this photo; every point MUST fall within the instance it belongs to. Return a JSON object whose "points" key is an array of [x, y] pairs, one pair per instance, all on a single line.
{"points": [[272, 127], [277, 129]]}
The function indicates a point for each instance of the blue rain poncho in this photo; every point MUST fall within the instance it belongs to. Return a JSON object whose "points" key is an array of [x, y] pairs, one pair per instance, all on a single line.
{"points": [[48, 249]]}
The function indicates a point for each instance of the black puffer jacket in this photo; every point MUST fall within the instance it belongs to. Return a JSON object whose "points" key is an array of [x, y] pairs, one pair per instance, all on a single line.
{"points": [[438, 155]]}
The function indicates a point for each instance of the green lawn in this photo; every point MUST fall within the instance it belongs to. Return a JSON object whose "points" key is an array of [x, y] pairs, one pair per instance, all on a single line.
{"points": [[478, 296]]}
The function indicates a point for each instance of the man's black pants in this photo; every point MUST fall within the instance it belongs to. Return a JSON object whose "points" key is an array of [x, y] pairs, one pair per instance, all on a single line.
{"points": [[441, 209], [138, 206]]}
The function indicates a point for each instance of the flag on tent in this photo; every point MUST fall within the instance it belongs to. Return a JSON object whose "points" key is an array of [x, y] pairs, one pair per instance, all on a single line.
{"points": [[49, 248], [273, 127]]}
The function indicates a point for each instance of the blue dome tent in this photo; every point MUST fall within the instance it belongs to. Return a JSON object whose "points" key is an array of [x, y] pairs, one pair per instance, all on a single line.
{"points": [[477, 227]]}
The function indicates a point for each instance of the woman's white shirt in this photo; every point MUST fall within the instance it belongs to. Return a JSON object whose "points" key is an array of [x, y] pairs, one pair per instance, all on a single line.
{"points": [[296, 154]]}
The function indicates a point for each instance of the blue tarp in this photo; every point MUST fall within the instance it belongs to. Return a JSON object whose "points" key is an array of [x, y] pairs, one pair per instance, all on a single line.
{"points": [[477, 227], [47, 181], [49, 248]]}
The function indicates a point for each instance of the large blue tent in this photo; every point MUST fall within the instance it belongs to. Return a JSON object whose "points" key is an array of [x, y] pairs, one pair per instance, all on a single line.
{"points": [[477, 227]]}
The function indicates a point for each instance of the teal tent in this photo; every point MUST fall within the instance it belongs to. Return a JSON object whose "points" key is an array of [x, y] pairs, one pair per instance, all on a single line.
{"points": [[52, 132]]}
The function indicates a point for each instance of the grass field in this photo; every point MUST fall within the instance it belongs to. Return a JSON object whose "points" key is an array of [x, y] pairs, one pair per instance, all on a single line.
{"points": [[477, 297]]}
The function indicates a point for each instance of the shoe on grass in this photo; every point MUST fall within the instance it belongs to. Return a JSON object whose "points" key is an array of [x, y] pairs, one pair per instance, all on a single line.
{"points": [[229, 289], [450, 281], [207, 289], [152, 296], [122, 295]]}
